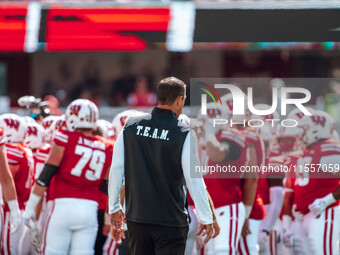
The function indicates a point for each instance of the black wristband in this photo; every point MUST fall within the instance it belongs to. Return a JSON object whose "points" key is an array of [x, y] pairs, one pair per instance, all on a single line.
{"points": [[46, 175]]}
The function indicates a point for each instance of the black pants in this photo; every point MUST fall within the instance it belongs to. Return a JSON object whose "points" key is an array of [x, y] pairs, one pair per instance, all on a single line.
{"points": [[124, 248], [100, 240], [150, 239]]}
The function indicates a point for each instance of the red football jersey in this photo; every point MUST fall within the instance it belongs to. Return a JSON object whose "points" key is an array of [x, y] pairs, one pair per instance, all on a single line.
{"points": [[226, 189], [258, 211], [20, 155], [40, 158], [85, 162], [308, 184], [2, 137], [291, 161], [263, 186]]}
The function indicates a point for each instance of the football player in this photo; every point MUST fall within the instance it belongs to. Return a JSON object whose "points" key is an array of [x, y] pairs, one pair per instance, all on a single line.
{"points": [[8, 190], [104, 129], [317, 188], [34, 139], [248, 241], [289, 141], [270, 188], [21, 163], [227, 147], [78, 162], [52, 124]]}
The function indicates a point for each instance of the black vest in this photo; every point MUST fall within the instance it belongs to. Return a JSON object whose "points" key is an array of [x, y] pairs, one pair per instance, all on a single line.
{"points": [[155, 189]]}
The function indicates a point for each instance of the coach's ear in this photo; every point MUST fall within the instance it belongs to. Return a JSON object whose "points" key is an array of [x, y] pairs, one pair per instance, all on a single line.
{"points": [[178, 101]]}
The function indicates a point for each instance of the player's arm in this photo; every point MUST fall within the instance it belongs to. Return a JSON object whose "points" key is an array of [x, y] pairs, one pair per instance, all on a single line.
{"points": [[288, 198], [50, 168], [215, 150], [8, 188], [6, 179], [221, 151], [319, 205], [287, 216], [249, 187], [250, 181], [275, 183]]}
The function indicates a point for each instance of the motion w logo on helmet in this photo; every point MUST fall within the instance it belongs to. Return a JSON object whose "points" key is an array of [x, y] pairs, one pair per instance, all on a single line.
{"points": [[319, 120], [47, 124], [32, 131], [12, 123], [74, 109]]}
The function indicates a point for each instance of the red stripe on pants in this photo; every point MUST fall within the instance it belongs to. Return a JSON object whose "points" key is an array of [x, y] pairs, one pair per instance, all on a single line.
{"points": [[324, 234], [230, 230]]}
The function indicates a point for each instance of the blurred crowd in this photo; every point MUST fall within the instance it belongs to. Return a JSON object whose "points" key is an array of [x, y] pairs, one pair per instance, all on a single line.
{"points": [[135, 90]]}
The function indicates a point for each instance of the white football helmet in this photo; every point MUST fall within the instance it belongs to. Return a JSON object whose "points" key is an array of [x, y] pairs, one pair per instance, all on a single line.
{"points": [[48, 124], [60, 123], [35, 135], [81, 113], [319, 125], [14, 127], [120, 119], [271, 124], [214, 111], [106, 128], [297, 115], [184, 119]]}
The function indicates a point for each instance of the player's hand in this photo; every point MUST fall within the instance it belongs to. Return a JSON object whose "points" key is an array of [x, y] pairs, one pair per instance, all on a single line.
{"points": [[245, 228], [318, 206], [207, 231], [14, 220], [287, 238], [35, 237], [263, 240], [296, 214], [216, 228], [29, 217], [117, 235]]}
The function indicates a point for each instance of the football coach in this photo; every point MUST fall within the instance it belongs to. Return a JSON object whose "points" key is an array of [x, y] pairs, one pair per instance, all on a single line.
{"points": [[152, 156]]}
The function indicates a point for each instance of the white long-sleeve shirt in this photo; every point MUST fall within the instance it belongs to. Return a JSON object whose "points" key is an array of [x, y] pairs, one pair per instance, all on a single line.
{"points": [[189, 159]]}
